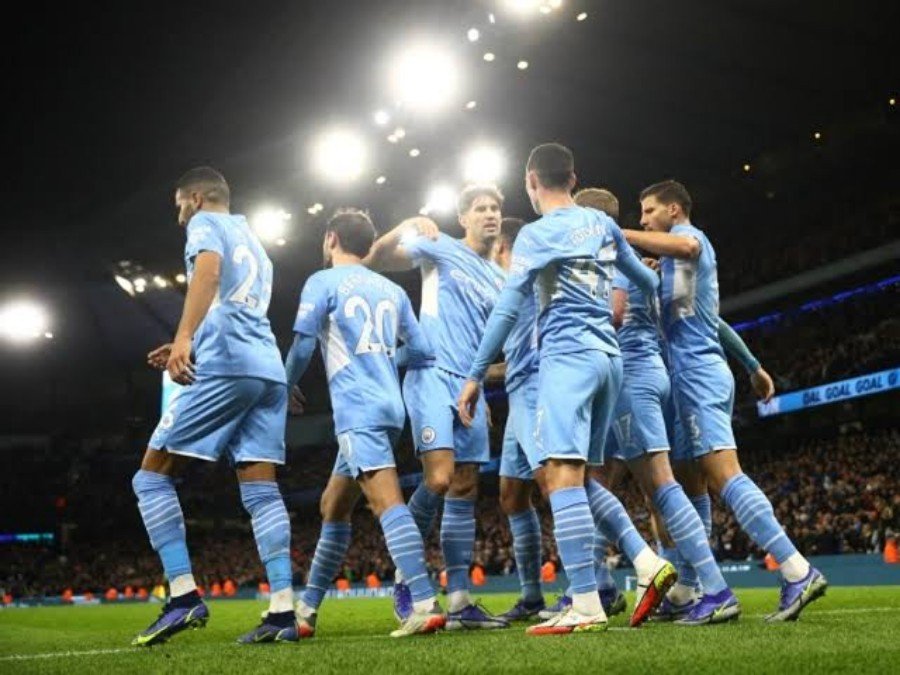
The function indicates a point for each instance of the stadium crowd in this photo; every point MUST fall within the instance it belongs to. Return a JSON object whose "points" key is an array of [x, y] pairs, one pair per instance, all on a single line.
{"points": [[834, 495]]}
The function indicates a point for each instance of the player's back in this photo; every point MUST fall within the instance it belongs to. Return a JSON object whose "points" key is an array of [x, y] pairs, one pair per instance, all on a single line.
{"points": [[639, 335], [572, 252], [235, 338], [359, 341], [690, 305]]}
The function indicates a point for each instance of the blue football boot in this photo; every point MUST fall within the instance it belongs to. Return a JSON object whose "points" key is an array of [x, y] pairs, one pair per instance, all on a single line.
{"points": [[524, 611], [280, 627], [797, 595], [174, 618], [713, 608]]}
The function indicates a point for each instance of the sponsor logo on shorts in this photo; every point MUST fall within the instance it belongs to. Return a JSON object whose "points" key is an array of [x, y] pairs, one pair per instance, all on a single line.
{"points": [[428, 435]]}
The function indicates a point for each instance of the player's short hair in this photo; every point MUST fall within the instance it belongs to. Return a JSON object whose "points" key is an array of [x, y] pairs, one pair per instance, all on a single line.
{"points": [[553, 163], [472, 192], [510, 228], [600, 199], [354, 229], [208, 182], [669, 191]]}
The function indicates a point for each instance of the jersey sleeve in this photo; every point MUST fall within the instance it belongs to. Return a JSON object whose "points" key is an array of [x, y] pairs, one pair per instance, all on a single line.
{"points": [[315, 306], [528, 258], [620, 281], [631, 266], [204, 233], [421, 249], [418, 350]]}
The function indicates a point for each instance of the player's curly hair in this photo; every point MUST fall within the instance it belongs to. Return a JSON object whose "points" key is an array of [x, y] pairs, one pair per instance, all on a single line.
{"points": [[354, 229], [472, 192]]}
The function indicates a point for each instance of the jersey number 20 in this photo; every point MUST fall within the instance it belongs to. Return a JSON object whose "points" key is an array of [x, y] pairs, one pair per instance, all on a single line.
{"points": [[384, 311]]}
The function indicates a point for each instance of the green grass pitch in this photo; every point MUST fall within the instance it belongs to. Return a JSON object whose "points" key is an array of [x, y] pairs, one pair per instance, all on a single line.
{"points": [[849, 630]]}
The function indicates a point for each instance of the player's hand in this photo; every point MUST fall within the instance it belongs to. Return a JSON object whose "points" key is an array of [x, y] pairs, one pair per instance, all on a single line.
{"points": [[179, 365], [425, 227], [297, 401], [763, 385], [652, 263], [159, 356], [468, 400]]}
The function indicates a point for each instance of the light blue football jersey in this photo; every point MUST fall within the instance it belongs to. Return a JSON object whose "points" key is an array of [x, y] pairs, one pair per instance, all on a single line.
{"points": [[690, 305], [639, 334], [359, 317], [568, 256], [235, 338], [520, 350], [459, 289]]}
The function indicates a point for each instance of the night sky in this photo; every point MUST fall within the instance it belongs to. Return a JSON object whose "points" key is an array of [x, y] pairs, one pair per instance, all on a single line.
{"points": [[107, 103]]}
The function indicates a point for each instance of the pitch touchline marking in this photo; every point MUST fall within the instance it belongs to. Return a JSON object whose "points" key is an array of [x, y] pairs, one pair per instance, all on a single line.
{"points": [[52, 655], [354, 638]]}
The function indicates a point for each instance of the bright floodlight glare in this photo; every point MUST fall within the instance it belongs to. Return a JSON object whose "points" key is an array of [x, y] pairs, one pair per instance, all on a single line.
{"points": [[441, 199], [125, 284], [23, 321], [339, 155], [159, 281], [424, 77], [180, 278], [523, 7], [546, 9], [483, 164], [381, 180], [471, 105], [473, 34], [555, 4], [489, 56], [522, 65], [581, 17], [414, 152], [270, 224], [381, 117]]}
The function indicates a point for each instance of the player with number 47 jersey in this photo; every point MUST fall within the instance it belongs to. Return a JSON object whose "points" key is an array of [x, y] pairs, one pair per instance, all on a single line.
{"points": [[359, 318]]}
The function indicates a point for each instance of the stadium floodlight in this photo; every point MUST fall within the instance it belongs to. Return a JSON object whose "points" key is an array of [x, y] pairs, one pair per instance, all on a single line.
{"points": [[180, 278], [381, 117], [523, 7], [339, 155], [473, 34], [489, 56], [270, 224], [522, 65], [441, 199], [24, 321], [381, 180], [483, 164], [471, 105], [582, 16], [424, 76], [159, 281], [125, 284]]}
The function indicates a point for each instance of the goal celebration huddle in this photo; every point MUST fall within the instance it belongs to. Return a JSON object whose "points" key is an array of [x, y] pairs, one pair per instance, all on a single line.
{"points": [[613, 361]]}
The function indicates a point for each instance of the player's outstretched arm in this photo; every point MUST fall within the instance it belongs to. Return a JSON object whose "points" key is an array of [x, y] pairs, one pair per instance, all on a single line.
{"points": [[664, 243], [735, 347], [631, 266], [388, 253], [201, 292], [499, 325], [417, 350], [298, 358]]}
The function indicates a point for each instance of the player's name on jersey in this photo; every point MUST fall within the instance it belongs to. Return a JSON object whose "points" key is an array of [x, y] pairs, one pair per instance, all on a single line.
{"points": [[854, 387]]}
